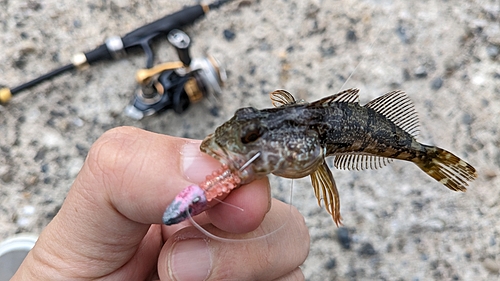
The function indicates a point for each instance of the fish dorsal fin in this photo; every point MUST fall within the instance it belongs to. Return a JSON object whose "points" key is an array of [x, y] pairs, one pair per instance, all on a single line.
{"points": [[350, 95], [325, 187], [359, 161], [281, 98], [398, 108]]}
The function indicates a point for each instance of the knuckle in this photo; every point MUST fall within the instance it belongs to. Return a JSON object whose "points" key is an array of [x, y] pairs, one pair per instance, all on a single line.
{"points": [[106, 153]]}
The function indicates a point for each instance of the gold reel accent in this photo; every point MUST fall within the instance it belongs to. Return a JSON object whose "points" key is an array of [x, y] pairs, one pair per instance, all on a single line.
{"points": [[142, 76], [193, 91]]}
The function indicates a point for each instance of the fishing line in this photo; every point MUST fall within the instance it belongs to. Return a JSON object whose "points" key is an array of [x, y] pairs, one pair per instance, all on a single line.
{"points": [[291, 196], [235, 240], [363, 58], [223, 239], [229, 204]]}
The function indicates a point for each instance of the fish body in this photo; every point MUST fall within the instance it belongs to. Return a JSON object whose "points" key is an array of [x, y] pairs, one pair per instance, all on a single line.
{"points": [[293, 139]]}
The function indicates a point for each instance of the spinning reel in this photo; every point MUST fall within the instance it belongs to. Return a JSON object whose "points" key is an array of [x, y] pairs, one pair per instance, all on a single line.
{"points": [[175, 85]]}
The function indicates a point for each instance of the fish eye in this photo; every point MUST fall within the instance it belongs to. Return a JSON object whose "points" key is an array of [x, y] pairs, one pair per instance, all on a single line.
{"points": [[196, 199], [251, 136]]}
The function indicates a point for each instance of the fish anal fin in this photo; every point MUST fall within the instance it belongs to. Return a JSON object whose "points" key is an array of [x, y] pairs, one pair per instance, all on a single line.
{"points": [[350, 95], [398, 108], [360, 161], [325, 187], [281, 98]]}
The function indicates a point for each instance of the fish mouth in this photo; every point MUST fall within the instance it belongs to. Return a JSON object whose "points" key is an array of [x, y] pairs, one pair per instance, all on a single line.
{"points": [[233, 160]]}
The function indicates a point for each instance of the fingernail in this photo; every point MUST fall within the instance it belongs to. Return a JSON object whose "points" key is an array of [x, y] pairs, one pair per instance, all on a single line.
{"points": [[195, 164], [190, 260]]}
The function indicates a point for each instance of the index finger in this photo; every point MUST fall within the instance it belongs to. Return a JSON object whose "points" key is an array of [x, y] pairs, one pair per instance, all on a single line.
{"points": [[138, 173]]}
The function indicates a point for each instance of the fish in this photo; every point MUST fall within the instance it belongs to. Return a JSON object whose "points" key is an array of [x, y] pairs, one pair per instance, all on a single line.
{"points": [[293, 139]]}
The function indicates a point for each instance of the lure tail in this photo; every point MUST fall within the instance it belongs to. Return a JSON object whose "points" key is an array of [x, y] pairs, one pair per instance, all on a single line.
{"points": [[446, 168]]}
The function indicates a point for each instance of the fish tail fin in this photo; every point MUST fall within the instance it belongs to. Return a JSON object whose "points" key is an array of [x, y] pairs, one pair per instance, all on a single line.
{"points": [[446, 168]]}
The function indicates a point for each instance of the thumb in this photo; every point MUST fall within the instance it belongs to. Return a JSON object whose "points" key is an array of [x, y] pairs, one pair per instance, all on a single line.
{"points": [[275, 249]]}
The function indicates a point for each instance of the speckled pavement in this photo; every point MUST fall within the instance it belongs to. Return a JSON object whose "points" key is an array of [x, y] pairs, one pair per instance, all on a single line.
{"points": [[399, 224]]}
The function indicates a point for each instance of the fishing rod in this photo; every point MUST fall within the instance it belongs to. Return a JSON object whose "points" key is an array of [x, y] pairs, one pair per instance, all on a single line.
{"points": [[116, 47]]}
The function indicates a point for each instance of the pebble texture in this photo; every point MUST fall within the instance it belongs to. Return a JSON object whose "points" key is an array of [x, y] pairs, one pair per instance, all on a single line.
{"points": [[399, 224]]}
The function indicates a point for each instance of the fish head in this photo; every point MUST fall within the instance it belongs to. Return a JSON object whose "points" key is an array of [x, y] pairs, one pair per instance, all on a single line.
{"points": [[285, 146]]}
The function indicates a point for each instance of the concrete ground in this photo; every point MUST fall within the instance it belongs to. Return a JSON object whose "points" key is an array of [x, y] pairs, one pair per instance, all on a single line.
{"points": [[399, 224]]}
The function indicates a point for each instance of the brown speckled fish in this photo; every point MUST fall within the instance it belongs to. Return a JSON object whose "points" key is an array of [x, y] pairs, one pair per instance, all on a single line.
{"points": [[293, 139]]}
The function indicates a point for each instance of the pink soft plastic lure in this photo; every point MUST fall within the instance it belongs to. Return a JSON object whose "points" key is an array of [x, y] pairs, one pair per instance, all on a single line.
{"points": [[194, 199]]}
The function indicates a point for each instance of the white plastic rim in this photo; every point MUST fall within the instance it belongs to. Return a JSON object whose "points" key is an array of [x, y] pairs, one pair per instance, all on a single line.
{"points": [[18, 243]]}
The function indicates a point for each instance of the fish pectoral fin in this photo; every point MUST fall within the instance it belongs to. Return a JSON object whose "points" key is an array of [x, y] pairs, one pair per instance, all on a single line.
{"points": [[350, 95], [325, 187], [359, 161], [281, 98]]}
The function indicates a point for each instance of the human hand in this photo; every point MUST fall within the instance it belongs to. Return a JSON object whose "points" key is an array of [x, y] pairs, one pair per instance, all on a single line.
{"points": [[109, 227]]}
